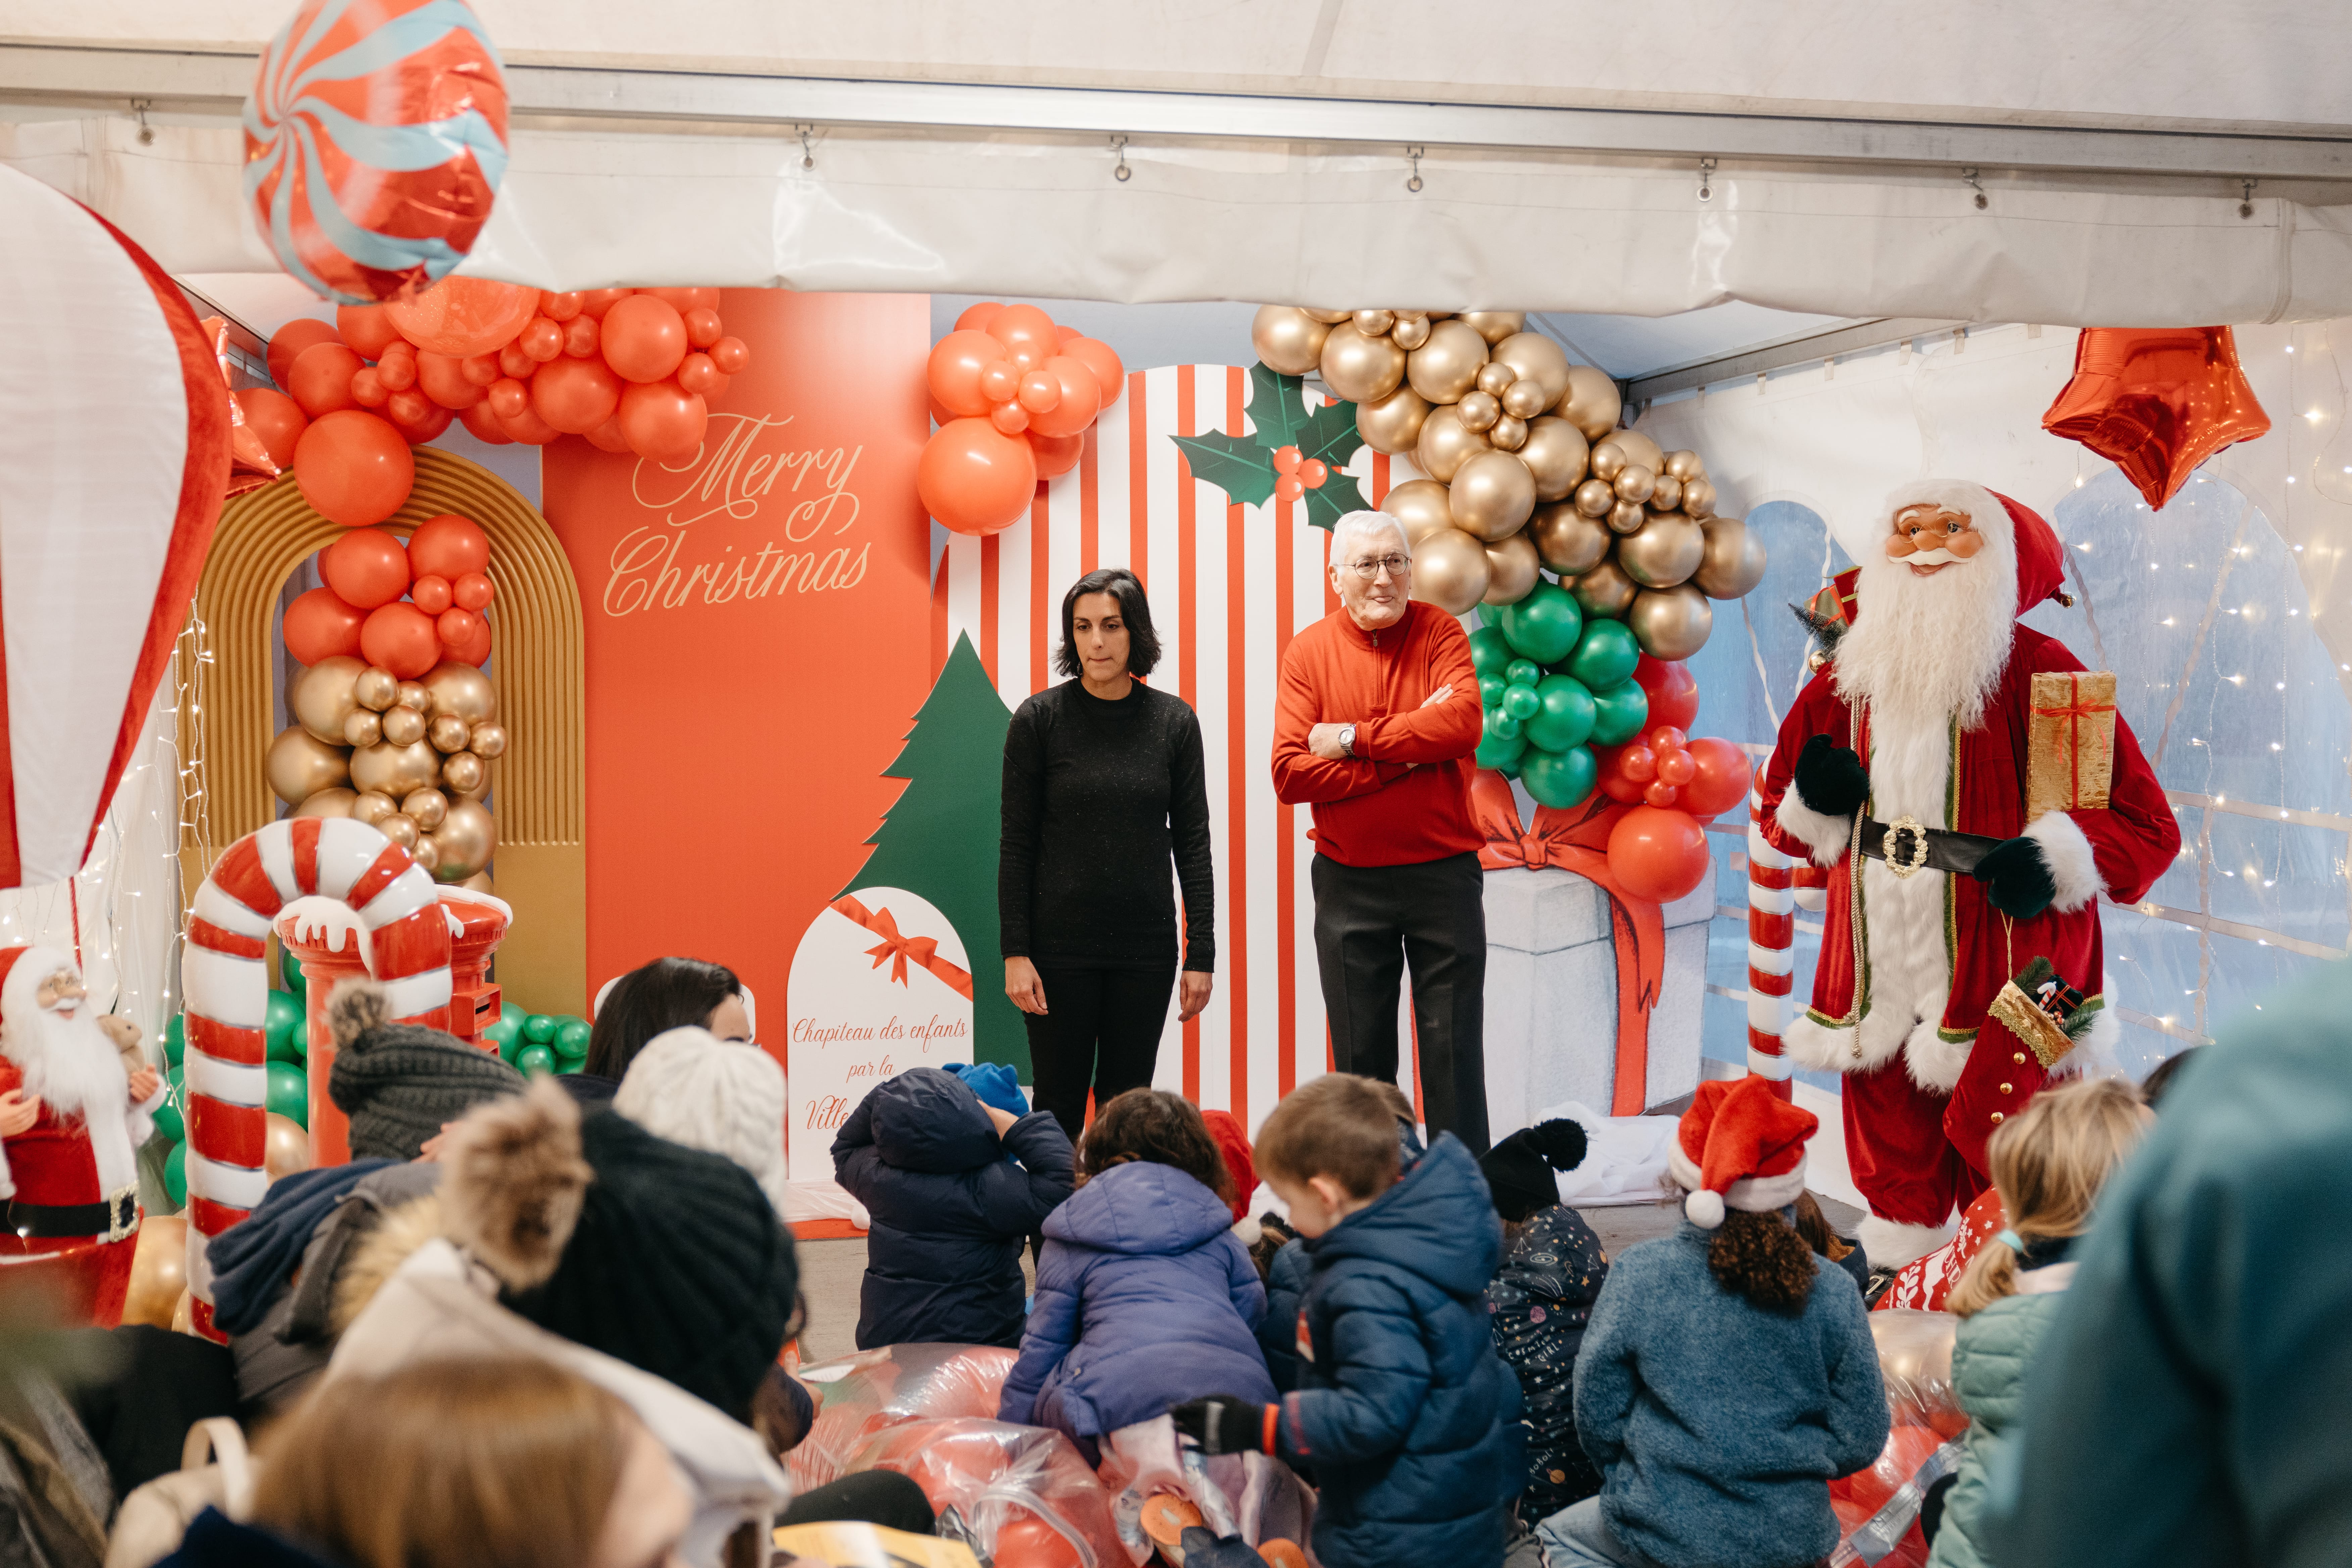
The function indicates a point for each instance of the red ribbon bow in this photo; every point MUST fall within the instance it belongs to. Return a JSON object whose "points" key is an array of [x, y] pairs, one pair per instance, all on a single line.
{"points": [[895, 949]]}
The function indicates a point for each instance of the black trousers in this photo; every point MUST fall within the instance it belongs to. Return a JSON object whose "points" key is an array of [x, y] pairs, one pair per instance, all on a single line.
{"points": [[1101, 1031], [1371, 923]]}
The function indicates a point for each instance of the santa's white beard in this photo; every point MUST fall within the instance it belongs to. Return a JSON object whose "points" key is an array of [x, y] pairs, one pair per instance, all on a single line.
{"points": [[69, 1063], [1927, 650]]}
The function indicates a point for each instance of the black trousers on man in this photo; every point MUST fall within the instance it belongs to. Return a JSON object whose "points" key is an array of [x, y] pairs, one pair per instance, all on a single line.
{"points": [[1373, 921]]}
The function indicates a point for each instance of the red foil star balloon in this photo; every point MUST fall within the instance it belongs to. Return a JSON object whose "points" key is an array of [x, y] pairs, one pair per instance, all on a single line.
{"points": [[2157, 402]]}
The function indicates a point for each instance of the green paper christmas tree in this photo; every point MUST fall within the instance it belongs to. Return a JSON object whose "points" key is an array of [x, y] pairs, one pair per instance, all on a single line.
{"points": [[940, 839], [1243, 466]]}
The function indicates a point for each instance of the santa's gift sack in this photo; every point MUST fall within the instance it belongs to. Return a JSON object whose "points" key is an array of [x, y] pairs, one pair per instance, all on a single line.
{"points": [[1624, 1157], [1926, 1282], [860, 1395], [1878, 1507], [1020, 1494], [1160, 1487]]}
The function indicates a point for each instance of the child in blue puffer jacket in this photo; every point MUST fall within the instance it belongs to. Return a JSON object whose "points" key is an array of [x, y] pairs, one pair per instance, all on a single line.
{"points": [[1145, 1296]]}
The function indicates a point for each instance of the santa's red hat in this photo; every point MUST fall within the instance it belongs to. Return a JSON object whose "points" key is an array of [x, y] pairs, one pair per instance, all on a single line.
{"points": [[1739, 1145]]}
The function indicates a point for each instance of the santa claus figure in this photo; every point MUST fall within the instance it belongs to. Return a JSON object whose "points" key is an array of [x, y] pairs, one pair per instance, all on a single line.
{"points": [[76, 1100], [1973, 792]]}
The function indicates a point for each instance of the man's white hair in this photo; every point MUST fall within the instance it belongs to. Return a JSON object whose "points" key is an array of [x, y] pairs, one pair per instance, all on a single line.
{"points": [[1358, 525]]}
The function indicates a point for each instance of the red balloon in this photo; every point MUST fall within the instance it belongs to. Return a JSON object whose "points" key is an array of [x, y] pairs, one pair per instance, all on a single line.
{"points": [[443, 379], [661, 419], [276, 419], [575, 395], [474, 652], [974, 478], [1024, 1541], [2157, 402], [1664, 738], [515, 364], [367, 329], [290, 341], [472, 591], [1638, 763], [1024, 330], [448, 546], [483, 426], [975, 317], [1100, 359], [1009, 417], [464, 316], [1079, 400], [607, 436], [529, 428], [643, 338], [1658, 854], [541, 339], [320, 625], [1722, 777], [1614, 781], [730, 356], [431, 593], [321, 380], [695, 372], [456, 627], [397, 367], [408, 408], [1675, 767], [366, 568], [1671, 689], [416, 432], [954, 373], [684, 300], [561, 307], [368, 389], [400, 638], [999, 381], [481, 370], [596, 301], [1661, 794], [580, 336], [1056, 455], [354, 468], [508, 397], [703, 328]]}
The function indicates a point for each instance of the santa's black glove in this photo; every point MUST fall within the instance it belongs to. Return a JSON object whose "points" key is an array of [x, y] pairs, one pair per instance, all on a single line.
{"points": [[1831, 779], [1223, 1424], [2017, 878]]}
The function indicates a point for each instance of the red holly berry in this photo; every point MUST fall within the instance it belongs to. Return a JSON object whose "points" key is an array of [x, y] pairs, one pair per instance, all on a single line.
{"points": [[1288, 487], [1313, 472], [1287, 460]]}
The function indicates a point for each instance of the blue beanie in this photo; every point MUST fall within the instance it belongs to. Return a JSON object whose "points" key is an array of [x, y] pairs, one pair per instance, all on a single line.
{"points": [[994, 1082]]}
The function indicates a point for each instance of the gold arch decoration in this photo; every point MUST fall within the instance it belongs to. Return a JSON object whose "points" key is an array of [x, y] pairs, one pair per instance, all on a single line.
{"points": [[537, 794]]}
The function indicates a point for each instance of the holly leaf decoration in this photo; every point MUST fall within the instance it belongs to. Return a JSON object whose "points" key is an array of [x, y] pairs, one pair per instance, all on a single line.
{"points": [[1277, 406], [1243, 466], [1235, 463], [1330, 435]]}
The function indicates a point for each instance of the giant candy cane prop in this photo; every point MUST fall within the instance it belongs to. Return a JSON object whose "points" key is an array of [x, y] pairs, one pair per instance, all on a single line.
{"points": [[226, 987], [1777, 886]]}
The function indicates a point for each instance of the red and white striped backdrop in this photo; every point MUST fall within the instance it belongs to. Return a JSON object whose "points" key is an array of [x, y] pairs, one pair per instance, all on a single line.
{"points": [[1229, 585]]}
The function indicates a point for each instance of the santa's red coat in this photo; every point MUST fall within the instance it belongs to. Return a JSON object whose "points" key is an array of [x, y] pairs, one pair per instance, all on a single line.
{"points": [[53, 1166]]}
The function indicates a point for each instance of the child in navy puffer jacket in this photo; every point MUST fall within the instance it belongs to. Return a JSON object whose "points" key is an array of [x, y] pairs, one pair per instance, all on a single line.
{"points": [[928, 1159], [1145, 1296]]}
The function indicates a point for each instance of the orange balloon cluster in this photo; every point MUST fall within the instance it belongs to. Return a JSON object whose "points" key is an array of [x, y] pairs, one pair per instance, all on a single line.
{"points": [[1012, 395], [401, 608]]}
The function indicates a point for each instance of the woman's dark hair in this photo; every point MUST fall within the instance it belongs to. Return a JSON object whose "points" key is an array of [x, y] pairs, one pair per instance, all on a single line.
{"points": [[1142, 642], [668, 994], [1814, 1227], [2153, 1088], [1761, 1257], [1157, 1127]]}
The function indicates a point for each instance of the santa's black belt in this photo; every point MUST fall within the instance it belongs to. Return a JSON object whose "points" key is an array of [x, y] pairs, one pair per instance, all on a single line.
{"points": [[1906, 847], [51, 1222]]}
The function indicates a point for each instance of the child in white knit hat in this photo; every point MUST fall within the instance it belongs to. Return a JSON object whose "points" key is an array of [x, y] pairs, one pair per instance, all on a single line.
{"points": [[723, 1097]]}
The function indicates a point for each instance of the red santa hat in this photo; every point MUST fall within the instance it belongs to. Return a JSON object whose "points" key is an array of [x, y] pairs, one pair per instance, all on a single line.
{"points": [[1742, 1146]]}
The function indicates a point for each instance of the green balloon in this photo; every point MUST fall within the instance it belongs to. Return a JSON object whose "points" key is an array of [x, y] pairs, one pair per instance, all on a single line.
{"points": [[176, 1075], [1490, 689], [1496, 751], [1523, 672], [1559, 779], [1605, 656], [539, 1029], [175, 1039], [1521, 701], [175, 1174], [1544, 626], [1488, 652], [1564, 714], [168, 1121], [503, 1031], [1619, 712], [572, 1039], [535, 1061], [285, 1027], [289, 970], [287, 1092], [1500, 723]]}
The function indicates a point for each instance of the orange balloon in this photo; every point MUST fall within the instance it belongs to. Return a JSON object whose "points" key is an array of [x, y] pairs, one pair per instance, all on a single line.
{"points": [[575, 395], [479, 369], [366, 568], [320, 625], [508, 397], [561, 307], [607, 436], [418, 432], [321, 379], [953, 373], [1720, 777], [703, 328], [661, 419], [472, 591], [974, 478], [367, 388], [483, 426], [291, 340], [430, 593], [2157, 402], [684, 300], [1009, 417], [975, 317], [367, 329], [529, 429], [1658, 853], [644, 339], [462, 316], [354, 468], [515, 364], [1056, 455], [457, 627], [697, 373], [443, 379], [541, 339], [1099, 357], [1080, 399], [730, 354], [581, 334], [401, 639], [1027, 332], [397, 367], [596, 301], [448, 546], [474, 652], [276, 419]]}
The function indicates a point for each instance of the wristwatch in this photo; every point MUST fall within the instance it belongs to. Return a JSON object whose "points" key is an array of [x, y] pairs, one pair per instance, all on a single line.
{"points": [[1347, 740]]}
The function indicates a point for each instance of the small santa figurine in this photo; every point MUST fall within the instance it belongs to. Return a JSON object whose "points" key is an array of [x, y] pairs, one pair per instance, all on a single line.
{"points": [[1973, 792], [76, 1102]]}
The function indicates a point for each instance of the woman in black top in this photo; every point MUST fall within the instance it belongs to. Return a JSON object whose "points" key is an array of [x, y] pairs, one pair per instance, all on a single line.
{"points": [[1103, 785]]}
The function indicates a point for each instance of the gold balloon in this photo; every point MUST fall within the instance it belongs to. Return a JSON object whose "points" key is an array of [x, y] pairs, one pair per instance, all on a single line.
{"points": [[159, 1270], [1556, 453], [300, 765], [1495, 378], [1510, 570], [1535, 357], [1410, 333], [1605, 591], [412, 694], [426, 807], [1524, 400], [328, 803], [1591, 403], [467, 835], [1361, 369], [448, 733], [1671, 623], [1287, 339], [1734, 563], [403, 725], [1608, 459], [322, 699], [183, 1315], [1640, 448], [1698, 498], [1329, 318], [1626, 516], [1566, 540], [1594, 497], [376, 689], [427, 853], [1450, 570], [1412, 315], [1635, 482], [372, 806], [1667, 494], [1478, 411], [400, 828], [489, 741], [1392, 424], [463, 774], [1686, 466], [1447, 366], [285, 1147], [1420, 506], [1494, 325], [1492, 496], [363, 729], [394, 770], [461, 689], [1375, 323], [1445, 444], [479, 882], [1662, 552], [1508, 434]]}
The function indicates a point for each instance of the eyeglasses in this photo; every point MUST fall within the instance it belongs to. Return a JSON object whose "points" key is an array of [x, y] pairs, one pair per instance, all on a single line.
{"points": [[1369, 571]]}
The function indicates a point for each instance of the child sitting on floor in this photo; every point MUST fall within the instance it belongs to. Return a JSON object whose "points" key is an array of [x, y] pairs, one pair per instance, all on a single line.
{"points": [[1725, 1378], [1145, 1296], [950, 1212], [1410, 1422]]}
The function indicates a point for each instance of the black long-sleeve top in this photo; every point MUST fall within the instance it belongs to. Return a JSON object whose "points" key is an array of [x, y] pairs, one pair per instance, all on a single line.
{"points": [[1098, 796]]}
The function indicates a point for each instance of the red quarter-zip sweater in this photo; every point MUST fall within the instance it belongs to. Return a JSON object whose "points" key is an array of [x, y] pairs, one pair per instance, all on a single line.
{"points": [[1404, 796]]}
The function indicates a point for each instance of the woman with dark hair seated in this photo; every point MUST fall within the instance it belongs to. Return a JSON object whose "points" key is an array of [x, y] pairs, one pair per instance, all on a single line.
{"points": [[1103, 786], [668, 994]]}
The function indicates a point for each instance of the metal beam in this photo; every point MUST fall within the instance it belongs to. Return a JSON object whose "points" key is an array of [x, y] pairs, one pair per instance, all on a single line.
{"points": [[194, 82], [1837, 342]]}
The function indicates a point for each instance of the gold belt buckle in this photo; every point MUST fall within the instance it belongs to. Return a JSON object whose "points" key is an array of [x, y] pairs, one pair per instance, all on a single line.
{"points": [[1904, 864], [123, 1214]]}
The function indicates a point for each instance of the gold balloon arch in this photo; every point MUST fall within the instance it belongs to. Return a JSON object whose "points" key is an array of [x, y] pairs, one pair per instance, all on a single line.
{"points": [[536, 793]]}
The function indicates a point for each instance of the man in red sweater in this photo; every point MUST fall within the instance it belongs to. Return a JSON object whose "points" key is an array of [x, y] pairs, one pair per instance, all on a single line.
{"points": [[1374, 728]]}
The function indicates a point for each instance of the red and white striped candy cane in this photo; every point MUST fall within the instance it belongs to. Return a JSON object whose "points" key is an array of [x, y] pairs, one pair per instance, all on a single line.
{"points": [[1771, 948], [226, 987]]}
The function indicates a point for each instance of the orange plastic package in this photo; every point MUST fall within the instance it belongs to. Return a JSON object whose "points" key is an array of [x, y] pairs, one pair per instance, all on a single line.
{"points": [[863, 1394], [1878, 1508], [1020, 1494]]}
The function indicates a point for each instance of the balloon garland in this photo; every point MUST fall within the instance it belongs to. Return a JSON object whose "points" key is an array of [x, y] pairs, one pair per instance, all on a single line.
{"points": [[1013, 395]]}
